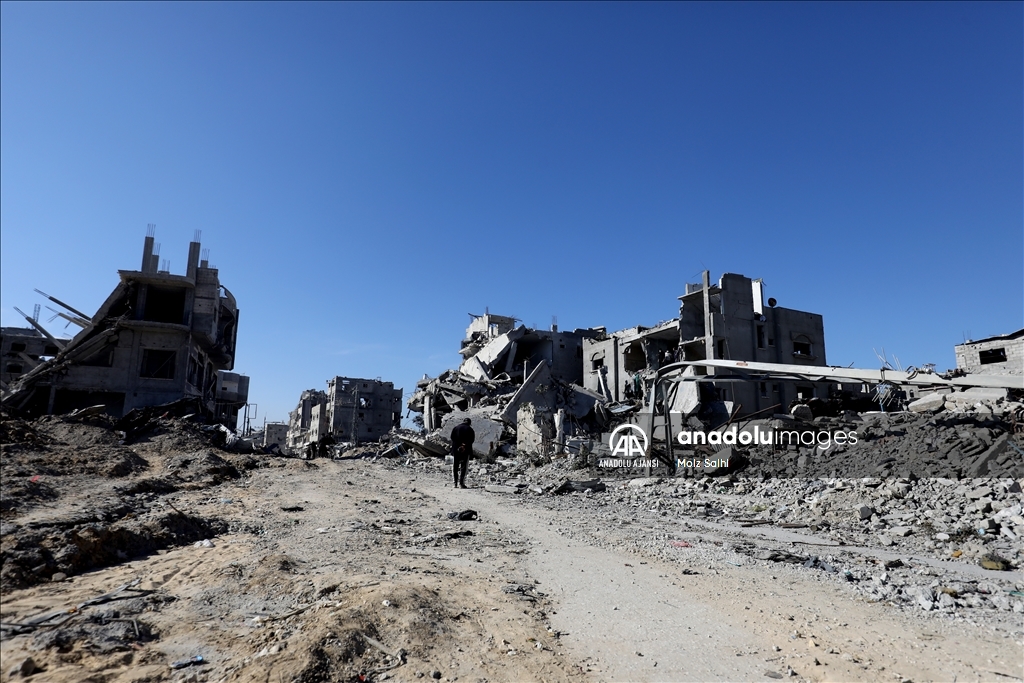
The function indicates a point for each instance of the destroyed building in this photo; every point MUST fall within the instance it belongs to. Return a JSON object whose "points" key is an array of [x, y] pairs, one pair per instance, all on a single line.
{"points": [[509, 371], [22, 349], [158, 338], [351, 410], [725, 321], [275, 434], [999, 355], [301, 419]]}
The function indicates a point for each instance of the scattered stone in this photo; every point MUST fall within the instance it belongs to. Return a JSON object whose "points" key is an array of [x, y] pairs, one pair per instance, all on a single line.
{"points": [[865, 512], [994, 562], [26, 668]]}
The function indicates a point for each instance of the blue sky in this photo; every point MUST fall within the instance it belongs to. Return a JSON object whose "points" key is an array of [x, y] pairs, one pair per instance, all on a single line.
{"points": [[365, 175]]}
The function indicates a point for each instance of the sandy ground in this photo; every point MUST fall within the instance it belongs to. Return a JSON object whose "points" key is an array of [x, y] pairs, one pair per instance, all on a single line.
{"points": [[328, 565]]}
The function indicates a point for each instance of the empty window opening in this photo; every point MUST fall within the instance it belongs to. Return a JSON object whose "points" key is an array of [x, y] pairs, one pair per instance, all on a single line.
{"points": [[721, 348], [760, 336], [50, 350], [634, 359], [771, 341], [17, 347], [763, 386], [989, 356], [104, 358], [805, 392], [597, 363], [165, 305], [157, 364], [801, 348], [14, 368]]}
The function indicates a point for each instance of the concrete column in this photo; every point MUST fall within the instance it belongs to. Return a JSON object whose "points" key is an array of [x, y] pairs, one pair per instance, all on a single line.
{"points": [[709, 322], [147, 254]]}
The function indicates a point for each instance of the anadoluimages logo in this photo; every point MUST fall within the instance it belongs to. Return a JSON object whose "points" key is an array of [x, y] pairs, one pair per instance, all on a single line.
{"points": [[625, 441]]}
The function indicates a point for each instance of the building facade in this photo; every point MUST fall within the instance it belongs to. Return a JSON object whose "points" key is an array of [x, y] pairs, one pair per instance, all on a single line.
{"points": [[1000, 355], [157, 338]]}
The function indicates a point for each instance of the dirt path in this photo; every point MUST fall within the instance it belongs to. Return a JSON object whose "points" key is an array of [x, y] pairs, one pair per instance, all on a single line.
{"points": [[324, 556], [693, 621]]}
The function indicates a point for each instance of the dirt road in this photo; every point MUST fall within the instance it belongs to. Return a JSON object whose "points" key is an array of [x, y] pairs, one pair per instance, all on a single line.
{"points": [[327, 566]]}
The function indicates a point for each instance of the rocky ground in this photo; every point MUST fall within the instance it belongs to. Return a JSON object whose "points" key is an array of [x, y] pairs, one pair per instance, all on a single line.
{"points": [[121, 562]]}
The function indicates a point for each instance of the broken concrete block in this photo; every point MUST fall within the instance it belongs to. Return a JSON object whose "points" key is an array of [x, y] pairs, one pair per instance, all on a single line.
{"points": [[865, 512], [928, 404], [900, 531]]}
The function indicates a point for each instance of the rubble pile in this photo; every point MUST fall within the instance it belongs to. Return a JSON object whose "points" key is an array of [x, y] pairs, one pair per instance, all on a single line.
{"points": [[972, 442], [76, 496]]}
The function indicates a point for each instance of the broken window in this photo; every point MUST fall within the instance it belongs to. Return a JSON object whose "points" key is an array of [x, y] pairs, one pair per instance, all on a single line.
{"points": [[104, 358], [165, 305], [801, 348], [760, 336], [634, 359], [805, 392], [157, 364], [17, 347], [597, 363], [992, 356]]}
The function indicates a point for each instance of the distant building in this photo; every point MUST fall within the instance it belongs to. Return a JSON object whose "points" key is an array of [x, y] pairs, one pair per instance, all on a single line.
{"points": [[362, 409], [1000, 355], [352, 409], [725, 321], [157, 338], [22, 349], [276, 434]]}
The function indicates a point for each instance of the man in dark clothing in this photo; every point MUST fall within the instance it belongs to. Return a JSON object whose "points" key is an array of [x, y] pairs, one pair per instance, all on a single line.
{"points": [[462, 446]]}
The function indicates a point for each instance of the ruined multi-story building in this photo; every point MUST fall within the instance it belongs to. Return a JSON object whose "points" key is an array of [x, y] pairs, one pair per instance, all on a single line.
{"points": [[727, 321], [999, 355], [157, 338], [352, 409], [362, 409]]}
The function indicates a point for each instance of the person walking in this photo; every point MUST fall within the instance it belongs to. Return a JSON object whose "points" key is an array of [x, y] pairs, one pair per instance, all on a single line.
{"points": [[462, 445]]}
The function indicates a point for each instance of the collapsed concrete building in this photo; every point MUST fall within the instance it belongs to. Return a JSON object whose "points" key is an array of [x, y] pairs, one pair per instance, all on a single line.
{"points": [[505, 368], [352, 410], [157, 338], [727, 321]]}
